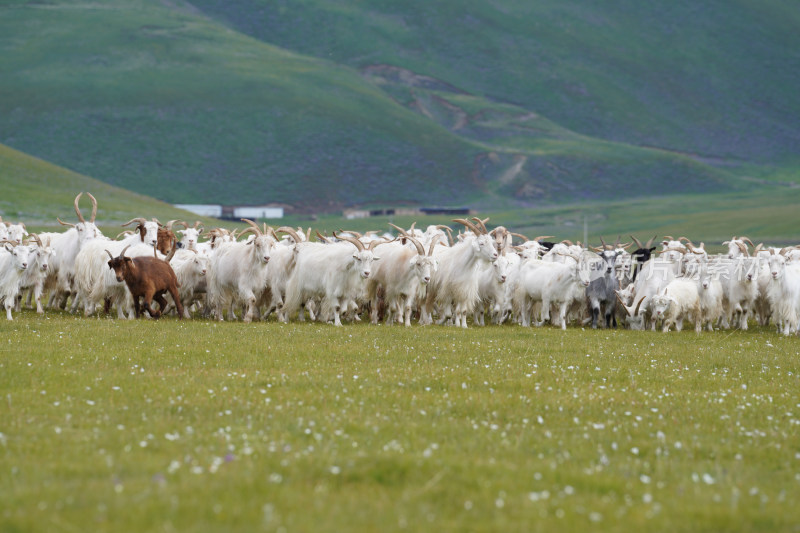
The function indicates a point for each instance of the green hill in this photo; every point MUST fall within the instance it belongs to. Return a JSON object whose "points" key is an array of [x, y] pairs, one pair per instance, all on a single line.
{"points": [[38, 193], [320, 105]]}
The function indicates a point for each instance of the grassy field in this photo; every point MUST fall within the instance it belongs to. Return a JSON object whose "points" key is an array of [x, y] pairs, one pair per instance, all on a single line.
{"points": [[197, 426]]}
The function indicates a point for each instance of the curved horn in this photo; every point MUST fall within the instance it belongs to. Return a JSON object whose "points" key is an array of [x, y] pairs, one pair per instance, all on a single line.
{"points": [[377, 242], [748, 241], [290, 231], [567, 242], [449, 231], [637, 241], [355, 242], [417, 245], [540, 237], [197, 224], [171, 222], [94, 207], [650, 242], [253, 225], [520, 235], [681, 239], [669, 237], [434, 241], [398, 228], [758, 248], [36, 239], [61, 222], [126, 232], [638, 305], [182, 223], [468, 224], [625, 307], [78, 209], [140, 220], [605, 246], [322, 238], [109, 254], [122, 253], [481, 223], [743, 248]]}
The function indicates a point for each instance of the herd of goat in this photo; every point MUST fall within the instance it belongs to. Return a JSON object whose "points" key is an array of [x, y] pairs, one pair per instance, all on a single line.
{"points": [[426, 275]]}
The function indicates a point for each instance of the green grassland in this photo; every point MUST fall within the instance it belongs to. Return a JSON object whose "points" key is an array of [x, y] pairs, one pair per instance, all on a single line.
{"points": [[37, 193], [122, 426], [321, 105]]}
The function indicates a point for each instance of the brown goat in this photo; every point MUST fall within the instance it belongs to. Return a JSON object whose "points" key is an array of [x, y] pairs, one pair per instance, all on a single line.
{"points": [[167, 240], [148, 278]]}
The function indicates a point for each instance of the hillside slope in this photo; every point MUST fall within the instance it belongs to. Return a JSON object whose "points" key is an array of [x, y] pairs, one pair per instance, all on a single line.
{"points": [[38, 193], [173, 100], [717, 78]]}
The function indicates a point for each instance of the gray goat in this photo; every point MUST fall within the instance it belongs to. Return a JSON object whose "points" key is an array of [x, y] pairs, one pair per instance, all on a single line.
{"points": [[601, 291]]}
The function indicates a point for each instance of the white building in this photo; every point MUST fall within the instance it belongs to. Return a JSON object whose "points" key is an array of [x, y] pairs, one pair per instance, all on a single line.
{"points": [[257, 212], [204, 210]]}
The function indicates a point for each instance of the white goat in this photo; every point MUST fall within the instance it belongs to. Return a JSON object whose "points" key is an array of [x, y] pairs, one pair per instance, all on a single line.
{"points": [[14, 260], [334, 273], [60, 282], [401, 278], [239, 273], [33, 278], [547, 283], [453, 288], [677, 301]]}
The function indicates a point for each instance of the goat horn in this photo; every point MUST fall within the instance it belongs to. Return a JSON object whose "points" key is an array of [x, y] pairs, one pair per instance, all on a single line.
{"points": [[567, 242], [197, 224], [182, 223], [482, 223], [417, 245], [290, 231], [253, 225], [627, 309], [468, 224], [154, 219], [36, 239], [540, 237], [61, 222], [449, 231], [171, 222], [140, 220], [94, 207], [78, 209], [520, 235], [355, 242], [605, 246], [669, 237], [122, 253], [398, 228], [758, 248], [637, 241], [126, 232], [377, 242], [681, 239], [109, 254], [647, 245], [434, 241], [745, 239], [743, 248], [638, 305], [322, 238]]}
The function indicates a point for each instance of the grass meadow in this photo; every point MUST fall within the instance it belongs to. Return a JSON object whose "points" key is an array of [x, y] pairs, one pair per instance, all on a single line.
{"points": [[120, 426]]}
